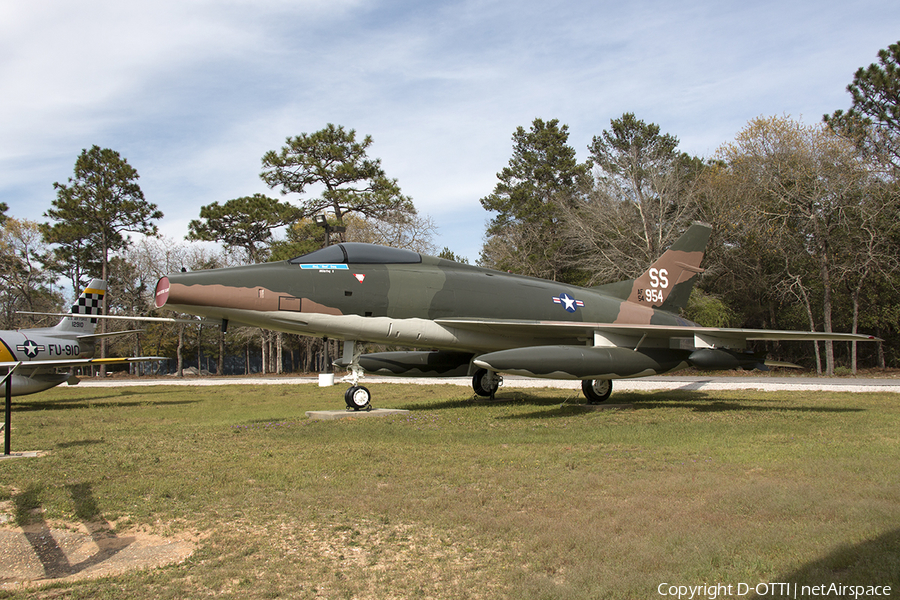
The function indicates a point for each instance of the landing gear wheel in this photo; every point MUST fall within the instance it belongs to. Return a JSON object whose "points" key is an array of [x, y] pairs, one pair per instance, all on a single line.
{"points": [[596, 390], [358, 398], [485, 383]]}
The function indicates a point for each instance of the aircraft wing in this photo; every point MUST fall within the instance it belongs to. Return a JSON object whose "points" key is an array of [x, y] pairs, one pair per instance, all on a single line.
{"points": [[126, 318], [79, 362], [540, 329]]}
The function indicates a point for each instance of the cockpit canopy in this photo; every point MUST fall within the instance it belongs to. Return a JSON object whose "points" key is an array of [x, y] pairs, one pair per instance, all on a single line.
{"points": [[358, 253]]}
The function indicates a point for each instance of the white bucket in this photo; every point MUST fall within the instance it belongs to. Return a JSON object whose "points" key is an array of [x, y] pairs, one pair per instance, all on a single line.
{"points": [[326, 379]]}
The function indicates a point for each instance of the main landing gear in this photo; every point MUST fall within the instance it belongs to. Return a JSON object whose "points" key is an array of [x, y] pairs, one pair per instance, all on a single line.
{"points": [[485, 383], [596, 390]]}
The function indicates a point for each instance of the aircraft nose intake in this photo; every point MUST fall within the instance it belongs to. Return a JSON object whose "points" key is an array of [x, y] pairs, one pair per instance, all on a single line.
{"points": [[162, 292]]}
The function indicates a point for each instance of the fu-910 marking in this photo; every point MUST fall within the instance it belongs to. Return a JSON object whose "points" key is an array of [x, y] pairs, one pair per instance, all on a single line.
{"points": [[43, 357]]}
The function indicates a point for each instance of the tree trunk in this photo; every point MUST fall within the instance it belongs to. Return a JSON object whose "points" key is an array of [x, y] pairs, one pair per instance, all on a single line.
{"points": [[262, 345], [826, 313], [179, 357], [220, 362], [279, 341], [854, 329], [812, 322]]}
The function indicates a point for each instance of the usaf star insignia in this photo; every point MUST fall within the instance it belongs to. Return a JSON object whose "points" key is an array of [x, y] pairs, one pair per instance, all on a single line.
{"points": [[570, 303], [30, 348]]}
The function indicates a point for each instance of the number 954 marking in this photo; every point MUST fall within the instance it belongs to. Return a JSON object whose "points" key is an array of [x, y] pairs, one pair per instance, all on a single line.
{"points": [[659, 280], [650, 296]]}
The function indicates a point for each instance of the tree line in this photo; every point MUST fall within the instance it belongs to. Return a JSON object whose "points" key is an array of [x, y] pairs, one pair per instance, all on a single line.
{"points": [[90, 221], [805, 217], [805, 226]]}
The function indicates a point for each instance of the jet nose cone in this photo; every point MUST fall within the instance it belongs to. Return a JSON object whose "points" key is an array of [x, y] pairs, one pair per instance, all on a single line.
{"points": [[162, 292]]}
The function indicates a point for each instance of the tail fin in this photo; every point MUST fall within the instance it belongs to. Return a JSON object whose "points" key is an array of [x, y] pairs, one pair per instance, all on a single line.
{"points": [[88, 303], [668, 282]]}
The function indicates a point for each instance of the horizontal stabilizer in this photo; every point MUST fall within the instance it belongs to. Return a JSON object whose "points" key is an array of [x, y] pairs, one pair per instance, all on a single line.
{"points": [[108, 334]]}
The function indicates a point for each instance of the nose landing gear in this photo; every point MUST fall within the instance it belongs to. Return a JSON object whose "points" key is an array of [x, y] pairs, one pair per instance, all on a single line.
{"points": [[357, 397]]}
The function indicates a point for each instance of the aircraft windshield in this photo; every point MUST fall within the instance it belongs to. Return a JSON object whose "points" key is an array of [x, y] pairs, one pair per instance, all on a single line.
{"points": [[357, 253]]}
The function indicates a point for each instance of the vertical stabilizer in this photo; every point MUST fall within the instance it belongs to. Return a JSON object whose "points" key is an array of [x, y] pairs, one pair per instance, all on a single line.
{"points": [[88, 303], [668, 282]]}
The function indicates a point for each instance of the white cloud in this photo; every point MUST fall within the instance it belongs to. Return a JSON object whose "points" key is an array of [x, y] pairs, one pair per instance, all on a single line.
{"points": [[194, 92]]}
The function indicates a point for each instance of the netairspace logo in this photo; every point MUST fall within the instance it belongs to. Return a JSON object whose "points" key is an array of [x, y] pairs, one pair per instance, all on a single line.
{"points": [[778, 590]]}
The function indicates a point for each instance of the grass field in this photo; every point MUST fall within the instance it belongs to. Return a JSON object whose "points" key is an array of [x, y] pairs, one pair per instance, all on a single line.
{"points": [[526, 497]]}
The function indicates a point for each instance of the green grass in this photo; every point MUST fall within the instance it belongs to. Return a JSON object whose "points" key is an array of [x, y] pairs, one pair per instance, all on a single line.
{"points": [[527, 497]]}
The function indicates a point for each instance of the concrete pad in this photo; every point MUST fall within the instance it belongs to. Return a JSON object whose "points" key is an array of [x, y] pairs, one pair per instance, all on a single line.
{"points": [[331, 415], [31, 454], [39, 555]]}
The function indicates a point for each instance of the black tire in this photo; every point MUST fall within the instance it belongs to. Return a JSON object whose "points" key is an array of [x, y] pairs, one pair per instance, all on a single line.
{"points": [[347, 399], [596, 390], [358, 398], [484, 383]]}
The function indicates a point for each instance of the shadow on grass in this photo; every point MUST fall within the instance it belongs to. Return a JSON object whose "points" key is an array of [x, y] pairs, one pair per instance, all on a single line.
{"points": [[719, 406], [92, 402], [571, 404], [693, 401], [292, 419], [77, 443], [511, 399], [875, 562], [700, 401]]}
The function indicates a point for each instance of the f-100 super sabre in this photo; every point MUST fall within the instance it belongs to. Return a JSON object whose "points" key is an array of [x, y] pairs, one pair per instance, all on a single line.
{"points": [[476, 322]]}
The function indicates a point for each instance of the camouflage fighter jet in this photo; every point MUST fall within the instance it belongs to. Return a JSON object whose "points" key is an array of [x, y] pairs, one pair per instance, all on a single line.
{"points": [[37, 355], [477, 322]]}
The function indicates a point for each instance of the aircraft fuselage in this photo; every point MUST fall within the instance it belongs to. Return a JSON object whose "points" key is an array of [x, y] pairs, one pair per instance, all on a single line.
{"points": [[476, 321], [405, 304], [28, 345]]}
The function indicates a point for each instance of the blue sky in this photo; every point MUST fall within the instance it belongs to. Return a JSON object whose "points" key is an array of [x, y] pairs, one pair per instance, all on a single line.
{"points": [[194, 92]]}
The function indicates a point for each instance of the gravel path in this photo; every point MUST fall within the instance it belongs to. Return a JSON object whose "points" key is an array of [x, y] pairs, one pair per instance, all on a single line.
{"points": [[512, 382]]}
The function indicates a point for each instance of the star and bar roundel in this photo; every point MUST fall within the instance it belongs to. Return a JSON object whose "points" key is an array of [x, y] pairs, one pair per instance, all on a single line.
{"points": [[31, 348], [568, 302]]}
